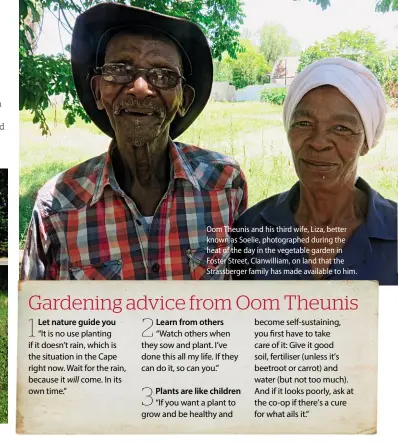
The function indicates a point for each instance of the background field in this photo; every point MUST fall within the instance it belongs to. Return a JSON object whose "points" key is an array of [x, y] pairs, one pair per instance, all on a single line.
{"points": [[251, 132], [3, 358]]}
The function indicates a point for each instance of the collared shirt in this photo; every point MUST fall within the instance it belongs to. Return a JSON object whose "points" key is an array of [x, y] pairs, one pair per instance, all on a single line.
{"points": [[84, 226], [370, 254]]}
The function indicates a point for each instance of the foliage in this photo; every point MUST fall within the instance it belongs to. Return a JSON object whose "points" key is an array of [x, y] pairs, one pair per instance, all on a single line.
{"points": [[275, 43], [220, 20], [41, 76], [361, 46], [48, 76], [390, 78], [322, 3], [248, 68], [3, 212], [386, 5], [274, 95]]}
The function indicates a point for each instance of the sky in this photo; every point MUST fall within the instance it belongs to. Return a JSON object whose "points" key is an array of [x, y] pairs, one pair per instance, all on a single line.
{"points": [[303, 20]]}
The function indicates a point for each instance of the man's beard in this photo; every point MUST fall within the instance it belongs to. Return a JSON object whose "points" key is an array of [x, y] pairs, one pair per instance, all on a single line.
{"points": [[138, 122]]}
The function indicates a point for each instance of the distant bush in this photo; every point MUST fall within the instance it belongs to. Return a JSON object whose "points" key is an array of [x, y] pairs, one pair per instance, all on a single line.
{"points": [[274, 95], [390, 78]]}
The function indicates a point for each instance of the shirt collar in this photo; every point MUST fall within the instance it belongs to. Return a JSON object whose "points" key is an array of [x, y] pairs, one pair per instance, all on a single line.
{"points": [[381, 220], [180, 168], [105, 172]]}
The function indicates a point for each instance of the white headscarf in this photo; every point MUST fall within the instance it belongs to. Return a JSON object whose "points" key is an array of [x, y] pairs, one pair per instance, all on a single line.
{"points": [[353, 80]]}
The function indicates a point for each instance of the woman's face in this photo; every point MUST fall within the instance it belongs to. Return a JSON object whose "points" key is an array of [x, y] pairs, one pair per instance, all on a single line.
{"points": [[326, 137]]}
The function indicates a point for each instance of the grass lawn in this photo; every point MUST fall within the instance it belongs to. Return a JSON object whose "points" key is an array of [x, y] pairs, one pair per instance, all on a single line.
{"points": [[3, 359], [251, 132]]}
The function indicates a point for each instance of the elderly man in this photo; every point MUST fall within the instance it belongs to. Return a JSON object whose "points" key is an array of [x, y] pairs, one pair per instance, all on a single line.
{"points": [[149, 208]]}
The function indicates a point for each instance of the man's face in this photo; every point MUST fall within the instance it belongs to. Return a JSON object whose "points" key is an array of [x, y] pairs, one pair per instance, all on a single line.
{"points": [[326, 137], [138, 111]]}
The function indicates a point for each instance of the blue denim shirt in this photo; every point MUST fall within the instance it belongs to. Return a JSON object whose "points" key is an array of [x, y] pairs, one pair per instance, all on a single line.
{"points": [[370, 254]]}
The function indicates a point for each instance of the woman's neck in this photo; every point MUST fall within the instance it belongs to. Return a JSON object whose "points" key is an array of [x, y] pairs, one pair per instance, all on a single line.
{"points": [[330, 208]]}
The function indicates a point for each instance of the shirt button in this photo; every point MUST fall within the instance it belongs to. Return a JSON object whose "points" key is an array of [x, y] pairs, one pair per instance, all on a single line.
{"points": [[155, 267]]}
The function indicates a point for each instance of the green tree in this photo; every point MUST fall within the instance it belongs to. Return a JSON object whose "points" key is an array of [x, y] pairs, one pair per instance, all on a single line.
{"points": [[386, 5], [42, 76], [248, 68], [275, 43], [361, 46]]}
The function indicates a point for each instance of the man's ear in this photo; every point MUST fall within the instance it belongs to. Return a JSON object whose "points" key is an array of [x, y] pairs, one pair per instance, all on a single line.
{"points": [[96, 90], [188, 96], [364, 149]]}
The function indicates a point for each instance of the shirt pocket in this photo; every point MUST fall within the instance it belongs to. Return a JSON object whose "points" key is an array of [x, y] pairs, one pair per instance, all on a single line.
{"points": [[109, 270], [206, 265]]}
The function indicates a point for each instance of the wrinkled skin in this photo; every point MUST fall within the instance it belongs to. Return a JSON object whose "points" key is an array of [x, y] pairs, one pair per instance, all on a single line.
{"points": [[143, 51], [326, 138], [141, 114]]}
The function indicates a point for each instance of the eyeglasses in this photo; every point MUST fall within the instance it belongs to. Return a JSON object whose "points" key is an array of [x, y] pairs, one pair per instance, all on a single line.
{"points": [[121, 73]]}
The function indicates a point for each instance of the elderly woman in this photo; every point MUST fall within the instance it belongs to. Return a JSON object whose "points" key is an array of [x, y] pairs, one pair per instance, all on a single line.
{"points": [[331, 224]]}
